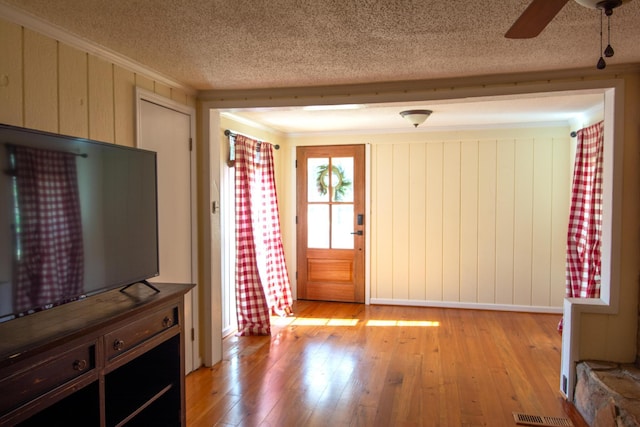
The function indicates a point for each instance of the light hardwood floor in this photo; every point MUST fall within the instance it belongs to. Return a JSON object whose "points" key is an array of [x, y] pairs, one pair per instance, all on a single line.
{"points": [[337, 364]]}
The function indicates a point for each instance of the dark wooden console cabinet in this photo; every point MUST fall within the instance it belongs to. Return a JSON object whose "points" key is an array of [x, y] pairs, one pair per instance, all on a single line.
{"points": [[112, 359]]}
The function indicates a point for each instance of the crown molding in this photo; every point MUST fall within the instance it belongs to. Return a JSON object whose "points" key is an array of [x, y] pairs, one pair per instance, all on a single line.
{"points": [[48, 29]]}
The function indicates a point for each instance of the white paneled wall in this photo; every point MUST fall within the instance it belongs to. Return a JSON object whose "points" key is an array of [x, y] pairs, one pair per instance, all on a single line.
{"points": [[50, 86], [480, 222]]}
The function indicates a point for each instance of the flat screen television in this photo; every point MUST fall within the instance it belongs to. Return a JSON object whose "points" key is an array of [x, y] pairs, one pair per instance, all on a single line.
{"points": [[77, 217]]}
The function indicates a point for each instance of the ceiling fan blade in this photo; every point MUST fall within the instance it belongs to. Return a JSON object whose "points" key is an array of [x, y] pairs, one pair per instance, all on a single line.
{"points": [[535, 18]]}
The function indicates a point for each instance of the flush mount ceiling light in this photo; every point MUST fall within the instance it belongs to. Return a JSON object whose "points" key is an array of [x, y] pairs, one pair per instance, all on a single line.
{"points": [[416, 117]]}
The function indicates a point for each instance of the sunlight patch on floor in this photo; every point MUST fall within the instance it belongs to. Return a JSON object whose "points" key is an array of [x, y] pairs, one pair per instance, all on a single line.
{"points": [[416, 323], [321, 321]]}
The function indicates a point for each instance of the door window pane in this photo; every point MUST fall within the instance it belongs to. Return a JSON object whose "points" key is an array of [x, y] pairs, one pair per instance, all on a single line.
{"points": [[342, 179], [317, 179], [318, 226], [342, 227]]}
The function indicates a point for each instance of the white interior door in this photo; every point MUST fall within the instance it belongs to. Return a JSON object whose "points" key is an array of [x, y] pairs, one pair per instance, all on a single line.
{"points": [[166, 128]]}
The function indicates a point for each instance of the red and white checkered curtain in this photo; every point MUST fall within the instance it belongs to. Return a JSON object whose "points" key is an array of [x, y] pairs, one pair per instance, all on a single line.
{"points": [[585, 220], [50, 263], [262, 281]]}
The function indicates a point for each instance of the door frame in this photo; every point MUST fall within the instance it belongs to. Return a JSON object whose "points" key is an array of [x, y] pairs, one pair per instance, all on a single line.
{"points": [[303, 154], [191, 306], [293, 206]]}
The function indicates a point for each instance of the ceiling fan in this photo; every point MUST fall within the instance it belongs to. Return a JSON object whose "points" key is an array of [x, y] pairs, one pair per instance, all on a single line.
{"points": [[540, 12]]}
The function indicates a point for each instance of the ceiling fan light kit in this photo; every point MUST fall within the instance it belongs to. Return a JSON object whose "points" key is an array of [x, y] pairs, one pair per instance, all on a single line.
{"points": [[600, 4], [540, 12]]}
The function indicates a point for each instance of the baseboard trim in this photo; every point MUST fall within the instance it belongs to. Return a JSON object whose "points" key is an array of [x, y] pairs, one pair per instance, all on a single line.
{"points": [[467, 305]]}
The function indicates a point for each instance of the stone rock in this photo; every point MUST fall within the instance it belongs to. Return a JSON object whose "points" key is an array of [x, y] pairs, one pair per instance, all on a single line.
{"points": [[603, 385]]}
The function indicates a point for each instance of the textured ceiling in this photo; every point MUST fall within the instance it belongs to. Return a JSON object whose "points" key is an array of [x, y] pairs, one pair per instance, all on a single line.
{"points": [[232, 45], [248, 44]]}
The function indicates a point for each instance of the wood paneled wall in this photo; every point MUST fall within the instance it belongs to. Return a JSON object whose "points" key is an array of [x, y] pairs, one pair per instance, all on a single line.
{"points": [[471, 221], [50, 86]]}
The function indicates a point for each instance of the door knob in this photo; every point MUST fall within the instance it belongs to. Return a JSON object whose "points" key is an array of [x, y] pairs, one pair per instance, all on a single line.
{"points": [[359, 232]]}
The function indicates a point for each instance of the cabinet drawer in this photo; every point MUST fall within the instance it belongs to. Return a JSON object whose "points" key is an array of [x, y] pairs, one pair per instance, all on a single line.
{"points": [[127, 337], [35, 377]]}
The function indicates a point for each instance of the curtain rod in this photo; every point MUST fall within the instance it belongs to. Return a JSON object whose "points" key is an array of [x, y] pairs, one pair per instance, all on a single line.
{"points": [[83, 155], [228, 132], [573, 134]]}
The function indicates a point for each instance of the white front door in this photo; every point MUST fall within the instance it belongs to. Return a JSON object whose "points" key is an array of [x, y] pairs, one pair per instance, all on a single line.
{"points": [[166, 128]]}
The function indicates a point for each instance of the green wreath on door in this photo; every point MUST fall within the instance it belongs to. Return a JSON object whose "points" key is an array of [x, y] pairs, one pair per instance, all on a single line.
{"points": [[339, 188]]}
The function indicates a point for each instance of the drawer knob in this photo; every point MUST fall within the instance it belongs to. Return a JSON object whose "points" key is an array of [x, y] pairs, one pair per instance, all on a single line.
{"points": [[167, 321], [118, 345], [80, 365]]}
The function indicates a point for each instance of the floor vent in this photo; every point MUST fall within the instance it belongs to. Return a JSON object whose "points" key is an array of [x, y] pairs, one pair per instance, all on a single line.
{"points": [[538, 420]]}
